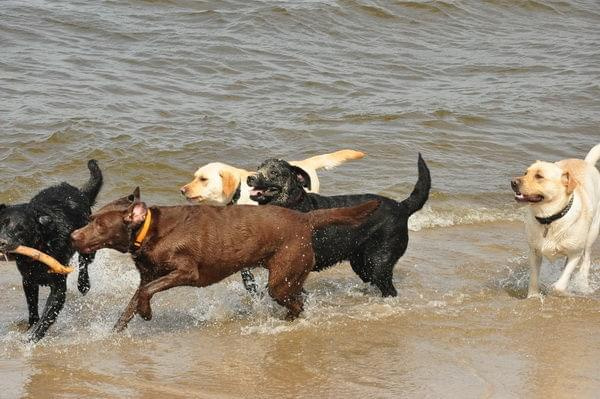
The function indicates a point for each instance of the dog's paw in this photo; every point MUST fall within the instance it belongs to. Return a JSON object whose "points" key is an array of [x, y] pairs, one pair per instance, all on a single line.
{"points": [[558, 290], [144, 311]]}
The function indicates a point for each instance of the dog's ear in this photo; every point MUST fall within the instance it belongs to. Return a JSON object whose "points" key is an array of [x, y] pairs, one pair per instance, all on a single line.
{"points": [[230, 183], [136, 214], [569, 182], [302, 176], [135, 196]]}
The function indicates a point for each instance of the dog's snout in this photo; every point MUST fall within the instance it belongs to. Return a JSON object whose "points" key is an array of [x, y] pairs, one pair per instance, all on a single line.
{"points": [[251, 181], [183, 190], [76, 235]]}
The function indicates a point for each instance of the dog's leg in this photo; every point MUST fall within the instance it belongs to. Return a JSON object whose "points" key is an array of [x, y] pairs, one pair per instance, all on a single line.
{"points": [[54, 305], [288, 270], [249, 282], [83, 280], [535, 263], [361, 267], [173, 279], [561, 284], [129, 311], [584, 270], [31, 295]]}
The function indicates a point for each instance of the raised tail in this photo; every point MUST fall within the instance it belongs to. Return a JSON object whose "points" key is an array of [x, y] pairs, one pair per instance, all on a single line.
{"points": [[94, 184], [354, 215], [593, 156], [329, 161], [420, 193]]}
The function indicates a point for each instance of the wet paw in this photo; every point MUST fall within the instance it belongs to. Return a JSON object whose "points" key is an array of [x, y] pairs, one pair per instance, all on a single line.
{"points": [[145, 311]]}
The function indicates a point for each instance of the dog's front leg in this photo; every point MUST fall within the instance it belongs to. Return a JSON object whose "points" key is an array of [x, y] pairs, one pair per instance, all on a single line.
{"points": [[31, 290], [83, 281], [129, 311], [561, 284], [535, 263], [54, 304], [173, 279]]}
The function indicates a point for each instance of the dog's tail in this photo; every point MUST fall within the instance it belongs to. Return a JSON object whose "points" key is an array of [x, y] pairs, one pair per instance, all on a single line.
{"points": [[94, 184], [329, 161], [420, 193], [353, 216], [593, 156]]}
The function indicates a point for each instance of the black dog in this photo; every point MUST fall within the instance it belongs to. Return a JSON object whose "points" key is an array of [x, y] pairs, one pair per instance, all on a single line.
{"points": [[46, 223], [373, 248]]}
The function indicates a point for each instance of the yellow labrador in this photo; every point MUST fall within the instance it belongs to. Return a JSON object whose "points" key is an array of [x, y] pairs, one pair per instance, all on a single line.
{"points": [[221, 184], [564, 215]]}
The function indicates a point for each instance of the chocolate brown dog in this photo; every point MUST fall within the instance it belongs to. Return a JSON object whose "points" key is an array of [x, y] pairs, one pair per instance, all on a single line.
{"points": [[199, 245]]}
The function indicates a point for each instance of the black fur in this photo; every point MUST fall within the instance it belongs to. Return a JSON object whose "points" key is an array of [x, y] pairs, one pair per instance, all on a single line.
{"points": [[372, 248], [45, 223]]}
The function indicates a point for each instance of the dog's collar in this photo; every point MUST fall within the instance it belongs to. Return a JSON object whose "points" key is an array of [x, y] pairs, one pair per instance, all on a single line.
{"points": [[236, 195], [555, 217], [141, 235]]}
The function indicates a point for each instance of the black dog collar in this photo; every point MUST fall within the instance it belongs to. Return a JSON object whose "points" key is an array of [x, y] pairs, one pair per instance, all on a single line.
{"points": [[236, 195], [553, 218]]}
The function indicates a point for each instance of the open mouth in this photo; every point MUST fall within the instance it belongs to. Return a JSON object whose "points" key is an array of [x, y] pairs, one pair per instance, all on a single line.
{"points": [[519, 197], [197, 198], [258, 194]]}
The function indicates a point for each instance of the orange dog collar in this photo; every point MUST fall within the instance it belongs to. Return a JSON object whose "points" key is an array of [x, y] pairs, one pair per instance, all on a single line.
{"points": [[144, 231]]}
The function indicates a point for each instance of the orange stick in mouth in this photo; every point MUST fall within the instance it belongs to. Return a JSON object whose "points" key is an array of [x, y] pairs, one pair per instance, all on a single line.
{"points": [[53, 264]]}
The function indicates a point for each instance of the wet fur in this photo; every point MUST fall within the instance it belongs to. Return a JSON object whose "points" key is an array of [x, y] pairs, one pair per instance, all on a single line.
{"points": [[372, 248], [547, 188], [45, 223], [201, 245]]}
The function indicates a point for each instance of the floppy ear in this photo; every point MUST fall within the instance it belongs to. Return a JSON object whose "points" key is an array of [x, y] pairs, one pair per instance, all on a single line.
{"points": [[302, 176], [569, 182], [230, 183], [136, 214]]}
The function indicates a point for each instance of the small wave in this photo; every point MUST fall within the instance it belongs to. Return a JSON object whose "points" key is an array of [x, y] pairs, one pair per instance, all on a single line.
{"points": [[430, 217]]}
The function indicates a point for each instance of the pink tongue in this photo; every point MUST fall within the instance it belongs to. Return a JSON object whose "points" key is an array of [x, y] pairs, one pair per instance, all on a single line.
{"points": [[255, 192]]}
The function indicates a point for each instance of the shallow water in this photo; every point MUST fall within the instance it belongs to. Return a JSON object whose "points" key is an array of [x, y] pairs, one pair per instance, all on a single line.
{"points": [[154, 89]]}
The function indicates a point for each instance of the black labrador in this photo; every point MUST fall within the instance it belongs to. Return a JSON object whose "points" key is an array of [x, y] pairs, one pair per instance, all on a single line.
{"points": [[372, 248], [45, 223]]}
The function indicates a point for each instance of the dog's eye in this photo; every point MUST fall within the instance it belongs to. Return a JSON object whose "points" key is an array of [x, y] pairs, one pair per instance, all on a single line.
{"points": [[203, 179], [538, 176]]}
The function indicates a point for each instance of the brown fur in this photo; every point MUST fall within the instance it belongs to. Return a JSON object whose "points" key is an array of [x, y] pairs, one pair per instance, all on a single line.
{"points": [[199, 245]]}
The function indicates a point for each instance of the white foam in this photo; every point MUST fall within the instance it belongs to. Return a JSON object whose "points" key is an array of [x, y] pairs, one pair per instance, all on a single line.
{"points": [[429, 217]]}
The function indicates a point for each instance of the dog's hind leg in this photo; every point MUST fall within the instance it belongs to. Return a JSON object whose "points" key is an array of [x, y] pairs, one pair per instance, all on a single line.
{"points": [[288, 270], [54, 305], [83, 280], [560, 286], [361, 267], [31, 290], [586, 263]]}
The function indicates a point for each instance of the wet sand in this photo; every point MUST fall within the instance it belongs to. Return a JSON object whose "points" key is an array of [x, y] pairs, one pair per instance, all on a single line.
{"points": [[459, 328]]}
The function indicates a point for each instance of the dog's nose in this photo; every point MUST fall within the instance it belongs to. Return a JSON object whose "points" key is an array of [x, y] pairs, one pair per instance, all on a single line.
{"points": [[515, 184], [183, 190], [251, 180]]}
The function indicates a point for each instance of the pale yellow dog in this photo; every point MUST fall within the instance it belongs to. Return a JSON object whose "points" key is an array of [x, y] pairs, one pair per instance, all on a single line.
{"points": [[221, 184], [564, 215]]}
